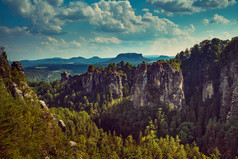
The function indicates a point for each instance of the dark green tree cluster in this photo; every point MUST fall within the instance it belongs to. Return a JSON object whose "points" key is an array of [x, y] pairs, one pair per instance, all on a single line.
{"points": [[26, 131], [95, 143], [202, 63]]}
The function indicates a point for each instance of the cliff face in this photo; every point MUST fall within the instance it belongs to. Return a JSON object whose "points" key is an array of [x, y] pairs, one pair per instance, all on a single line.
{"points": [[97, 81], [158, 83], [229, 89]]}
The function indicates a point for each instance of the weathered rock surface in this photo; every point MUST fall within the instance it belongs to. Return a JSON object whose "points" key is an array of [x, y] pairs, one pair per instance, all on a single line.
{"points": [[98, 80], [43, 105], [62, 125], [16, 92], [207, 91], [65, 77], [156, 84], [229, 89], [18, 66], [73, 144]]}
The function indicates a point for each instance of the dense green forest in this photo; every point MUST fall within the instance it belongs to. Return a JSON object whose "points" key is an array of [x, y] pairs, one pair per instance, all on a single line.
{"points": [[105, 126], [202, 122], [28, 131]]}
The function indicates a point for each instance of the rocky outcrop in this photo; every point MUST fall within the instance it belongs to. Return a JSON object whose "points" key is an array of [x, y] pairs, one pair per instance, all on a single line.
{"points": [[62, 125], [43, 105], [65, 77], [207, 91], [16, 92], [17, 65], [229, 89], [73, 144], [97, 80], [157, 84]]}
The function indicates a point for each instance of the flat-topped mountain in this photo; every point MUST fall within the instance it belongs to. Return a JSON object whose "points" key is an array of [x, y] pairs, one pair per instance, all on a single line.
{"points": [[132, 58]]}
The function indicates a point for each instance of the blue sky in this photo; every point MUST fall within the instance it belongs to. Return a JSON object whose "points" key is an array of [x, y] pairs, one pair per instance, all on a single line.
{"points": [[35, 29]]}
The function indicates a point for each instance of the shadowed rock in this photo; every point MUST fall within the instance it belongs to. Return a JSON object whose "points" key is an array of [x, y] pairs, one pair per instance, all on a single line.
{"points": [[18, 66], [157, 84]]}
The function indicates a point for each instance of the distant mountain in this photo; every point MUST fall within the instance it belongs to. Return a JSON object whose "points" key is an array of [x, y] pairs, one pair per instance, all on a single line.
{"points": [[50, 69], [57, 60], [158, 57], [132, 58]]}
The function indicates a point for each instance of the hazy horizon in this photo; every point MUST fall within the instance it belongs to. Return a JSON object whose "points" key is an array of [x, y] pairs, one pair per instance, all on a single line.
{"points": [[146, 56]]}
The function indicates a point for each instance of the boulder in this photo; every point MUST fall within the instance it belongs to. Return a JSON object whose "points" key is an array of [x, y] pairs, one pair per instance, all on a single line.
{"points": [[62, 125], [43, 105]]}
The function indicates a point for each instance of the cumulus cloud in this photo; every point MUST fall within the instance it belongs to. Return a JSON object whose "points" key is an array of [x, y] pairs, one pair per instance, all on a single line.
{"points": [[113, 40], [145, 10], [119, 16], [156, 11], [49, 41], [41, 14], [48, 16], [217, 19], [190, 6], [13, 31], [75, 11]]}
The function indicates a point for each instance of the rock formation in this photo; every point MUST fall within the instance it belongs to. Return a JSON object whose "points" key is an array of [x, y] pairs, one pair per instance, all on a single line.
{"points": [[157, 84], [62, 125], [18, 66], [207, 90], [43, 105], [229, 88], [16, 92], [97, 80], [65, 77]]}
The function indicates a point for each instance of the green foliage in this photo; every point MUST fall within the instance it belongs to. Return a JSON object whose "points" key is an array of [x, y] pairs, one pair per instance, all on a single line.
{"points": [[25, 132], [94, 142], [91, 68], [175, 63], [104, 127]]}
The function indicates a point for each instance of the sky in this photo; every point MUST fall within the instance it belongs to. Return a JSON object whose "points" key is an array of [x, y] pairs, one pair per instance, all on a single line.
{"points": [[36, 29]]}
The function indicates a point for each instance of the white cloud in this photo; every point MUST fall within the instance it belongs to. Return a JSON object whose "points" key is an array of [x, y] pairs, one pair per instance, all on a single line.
{"points": [[217, 19], [190, 6], [156, 11], [75, 11], [41, 14], [205, 21], [167, 13], [76, 43], [145, 10], [113, 40], [220, 35], [48, 16], [61, 43], [119, 16], [11, 32]]}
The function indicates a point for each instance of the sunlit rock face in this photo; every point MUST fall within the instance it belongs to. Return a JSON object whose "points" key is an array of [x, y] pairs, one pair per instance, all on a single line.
{"points": [[97, 80], [157, 84]]}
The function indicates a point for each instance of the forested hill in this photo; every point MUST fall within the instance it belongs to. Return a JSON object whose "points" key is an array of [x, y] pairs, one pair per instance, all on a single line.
{"points": [[28, 129], [193, 96]]}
